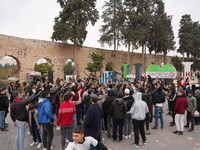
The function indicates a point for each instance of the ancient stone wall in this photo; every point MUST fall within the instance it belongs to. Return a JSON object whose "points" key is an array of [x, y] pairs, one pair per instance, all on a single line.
{"points": [[28, 51]]}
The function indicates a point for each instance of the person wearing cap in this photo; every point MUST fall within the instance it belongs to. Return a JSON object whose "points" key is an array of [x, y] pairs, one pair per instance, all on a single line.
{"points": [[65, 118], [46, 119], [92, 121], [129, 100], [192, 105], [179, 109]]}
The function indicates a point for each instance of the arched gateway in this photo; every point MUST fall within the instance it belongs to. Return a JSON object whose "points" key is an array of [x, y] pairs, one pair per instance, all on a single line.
{"points": [[28, 51]]}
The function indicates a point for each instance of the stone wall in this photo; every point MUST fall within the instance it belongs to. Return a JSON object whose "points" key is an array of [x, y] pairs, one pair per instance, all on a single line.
{"points": [[28, 51]]}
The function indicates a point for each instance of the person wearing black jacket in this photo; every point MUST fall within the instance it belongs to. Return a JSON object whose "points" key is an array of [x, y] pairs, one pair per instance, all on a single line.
{"points": [[197, 96], [158, 100], [107, 110], [3, 109], [19, 115], [118, 110]]}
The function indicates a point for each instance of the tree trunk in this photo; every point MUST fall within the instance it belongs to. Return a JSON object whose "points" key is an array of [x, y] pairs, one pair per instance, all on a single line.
{"points": [[164, 58], [143, 57], [129, 46], [74, 57]]}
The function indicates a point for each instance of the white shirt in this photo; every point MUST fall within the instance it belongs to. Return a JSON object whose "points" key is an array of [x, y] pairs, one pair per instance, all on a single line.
{"points": [[84, 146]]}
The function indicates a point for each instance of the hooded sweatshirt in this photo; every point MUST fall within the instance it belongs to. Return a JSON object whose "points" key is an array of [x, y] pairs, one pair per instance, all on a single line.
{"points": [[139, 108], [118, 108], [192, 104], [45, 111]]}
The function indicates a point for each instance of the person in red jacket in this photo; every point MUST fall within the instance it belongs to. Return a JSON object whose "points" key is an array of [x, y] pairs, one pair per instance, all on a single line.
{"points": [[65, 118], [179, 109]]}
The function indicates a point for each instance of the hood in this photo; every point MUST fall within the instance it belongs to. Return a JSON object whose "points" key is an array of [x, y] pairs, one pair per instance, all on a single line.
{"points": [[41, 101], [138, 96], [197, 92], [119, 101], [111, 93]]}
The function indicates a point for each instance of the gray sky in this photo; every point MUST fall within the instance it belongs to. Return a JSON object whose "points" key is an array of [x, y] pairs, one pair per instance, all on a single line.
{"points": [[35, 18]]}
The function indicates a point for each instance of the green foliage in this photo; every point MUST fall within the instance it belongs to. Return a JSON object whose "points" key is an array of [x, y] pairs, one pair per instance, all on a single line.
{"points": [[73, 19], [177, 63], [69, 68], [161, 35], [195, 65], [109, 67], [44, 68], [189, 39], [8, 70], [113, 18], [96, 63]]}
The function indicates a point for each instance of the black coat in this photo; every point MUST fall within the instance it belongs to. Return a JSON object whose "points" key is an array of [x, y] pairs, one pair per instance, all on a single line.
{"points": [[108, 102], [3, 103]]}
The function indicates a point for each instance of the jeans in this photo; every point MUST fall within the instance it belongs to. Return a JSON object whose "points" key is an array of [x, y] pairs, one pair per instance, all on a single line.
{"points": [[2, 119], [117, 123], [36, 133], [190, 118], [127, 125], [159, 114], [139, 128], [47, 135], [109, 126], [147, 120], [78, 115], [20, 136], [66, 130], [179, 120]]}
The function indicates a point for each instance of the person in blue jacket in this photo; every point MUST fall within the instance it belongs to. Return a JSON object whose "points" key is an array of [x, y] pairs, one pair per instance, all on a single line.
{"points": [[46, 119]]}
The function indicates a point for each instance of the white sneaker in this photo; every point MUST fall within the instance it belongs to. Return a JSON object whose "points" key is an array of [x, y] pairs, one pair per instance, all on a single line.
{"points": [[44, 148], [67, 141], [39, 145], [32, 144], [126, 137], [129, 136]]}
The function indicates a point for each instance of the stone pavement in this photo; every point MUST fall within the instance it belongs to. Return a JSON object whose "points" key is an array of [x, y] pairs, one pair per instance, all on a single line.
{"points": [[158, 140]]}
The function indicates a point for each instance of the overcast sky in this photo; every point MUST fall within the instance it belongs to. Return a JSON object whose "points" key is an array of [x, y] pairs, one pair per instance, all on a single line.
{"points": [[34, 19]]}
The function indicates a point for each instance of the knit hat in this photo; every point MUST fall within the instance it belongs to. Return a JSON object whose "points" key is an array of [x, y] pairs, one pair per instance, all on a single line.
{"points": [[127, 91]]}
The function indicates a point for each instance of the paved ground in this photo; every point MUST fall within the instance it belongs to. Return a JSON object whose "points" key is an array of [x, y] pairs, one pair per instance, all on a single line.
{"points": [[158, 140]]}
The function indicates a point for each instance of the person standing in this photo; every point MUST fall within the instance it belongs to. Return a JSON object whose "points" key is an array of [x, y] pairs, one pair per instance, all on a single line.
{"points": [[65, 118], [35, 127], [92, 121], [179, 109], [192, 105], [19, 115], [3, 109], [46, 119], [138, 112]]}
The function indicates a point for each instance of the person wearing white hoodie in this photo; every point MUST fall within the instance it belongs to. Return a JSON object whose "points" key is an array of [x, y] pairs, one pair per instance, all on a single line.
{"points": [[138, 112]]}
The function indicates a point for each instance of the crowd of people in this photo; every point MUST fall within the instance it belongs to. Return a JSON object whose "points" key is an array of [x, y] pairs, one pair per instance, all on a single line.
{"points": [[82, 110]]}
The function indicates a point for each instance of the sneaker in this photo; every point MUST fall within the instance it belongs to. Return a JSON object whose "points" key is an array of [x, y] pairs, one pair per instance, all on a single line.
{"points": [[186, 126], [148, 132], [176, 132], [67, 141], [44, 148], [180, 133], [125, 136], [105, 132], [129, 136], [190, 130], [32, 144], [39, 145], [154, 128], [172, 124], [144, 142], [4, 129], [136, 145]]}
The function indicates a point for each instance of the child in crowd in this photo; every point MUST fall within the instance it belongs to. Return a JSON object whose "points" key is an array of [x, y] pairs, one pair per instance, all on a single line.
{"points": [[35, 127], [83, 143]]}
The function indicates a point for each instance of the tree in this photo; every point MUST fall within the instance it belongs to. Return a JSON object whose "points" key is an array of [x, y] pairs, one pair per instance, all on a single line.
{"points": [[177, 63], [44, 68], [186, 35], [113, 19], [96, 63], [69, 68], [109, 67], [161, 35], [72, 21]]}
